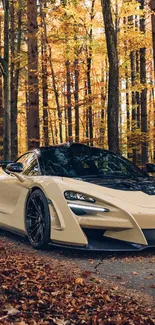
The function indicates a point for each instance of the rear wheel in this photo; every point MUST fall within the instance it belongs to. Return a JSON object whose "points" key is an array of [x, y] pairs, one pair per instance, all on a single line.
{"points": [[37, 219]]}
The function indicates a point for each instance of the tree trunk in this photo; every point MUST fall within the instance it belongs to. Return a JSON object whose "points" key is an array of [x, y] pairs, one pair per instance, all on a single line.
{"points": [[103, 103], [69, 105], [134, 104], [89, 62], [45, 93], [7, 130], [17, 70], [89, 111], [103, 97], [137, 92], [44, 59], [76, 97], [127, 109], [127, 100], [137, 74], [12, 83], [86, 110], [152, 5], [113, 87], [144, 127], [33, 91], [54, 82], [1, 97], [65, 113]]}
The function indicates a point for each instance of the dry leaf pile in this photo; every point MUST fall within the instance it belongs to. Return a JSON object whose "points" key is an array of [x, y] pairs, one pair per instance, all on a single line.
{"points": [[33, 291]]}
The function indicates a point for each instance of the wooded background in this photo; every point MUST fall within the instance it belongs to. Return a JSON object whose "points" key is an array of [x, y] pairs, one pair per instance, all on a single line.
{"points": [[78, 70]]}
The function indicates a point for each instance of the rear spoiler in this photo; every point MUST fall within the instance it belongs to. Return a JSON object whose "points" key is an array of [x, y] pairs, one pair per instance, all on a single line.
{"points": [[4, 163]]}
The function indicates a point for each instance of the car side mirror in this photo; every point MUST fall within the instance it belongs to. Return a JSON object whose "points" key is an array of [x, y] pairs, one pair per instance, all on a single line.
{"points": [[15, 167], [150, 168]]}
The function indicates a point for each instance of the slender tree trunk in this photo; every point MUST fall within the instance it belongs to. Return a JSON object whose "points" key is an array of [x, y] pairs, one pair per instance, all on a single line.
{"points": [[89, 62], [51, 126], [55, 128], [144, 126], [69, 102], [44, 59], [65, 113], [103, 102], [127, 109], [113, 88], [14, 148], [76, 97], [127, 94], [137, 76], [1, 97], [89, 111], [33, 91], [54, 81], [103, 96], [86, 112], [14, 109], [137, 92], [56, 97], [152, 6], [76, 80], [134, 104], [45, 93], [7, 130]]}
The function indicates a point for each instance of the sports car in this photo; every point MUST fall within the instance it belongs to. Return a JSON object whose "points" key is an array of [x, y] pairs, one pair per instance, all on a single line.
{"points": [[78, 196]]}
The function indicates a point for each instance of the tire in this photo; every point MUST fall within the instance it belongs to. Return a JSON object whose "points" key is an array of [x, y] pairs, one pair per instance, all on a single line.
{"points": [[37, 219]]}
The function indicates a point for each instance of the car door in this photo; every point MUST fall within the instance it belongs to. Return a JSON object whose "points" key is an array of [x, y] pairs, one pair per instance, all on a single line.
{"points": [[11, 189]]}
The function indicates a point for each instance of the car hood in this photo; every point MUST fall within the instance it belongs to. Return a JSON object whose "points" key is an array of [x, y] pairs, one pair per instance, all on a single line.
{"points": [[140, 192], [146, 185]]}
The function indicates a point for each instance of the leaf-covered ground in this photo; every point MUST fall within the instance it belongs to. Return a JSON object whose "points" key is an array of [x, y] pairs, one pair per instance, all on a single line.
{"points": [[35, 291]]}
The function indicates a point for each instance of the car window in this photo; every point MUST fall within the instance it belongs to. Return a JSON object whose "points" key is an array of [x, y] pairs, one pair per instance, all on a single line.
{"points": [[79, 160], [30, 164]]}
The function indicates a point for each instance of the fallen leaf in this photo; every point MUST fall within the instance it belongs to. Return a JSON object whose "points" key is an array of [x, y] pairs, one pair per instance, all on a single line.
{"points": [[107, 298], [91, 261], [55, 293], [59, 321], [23, 323], [115, 288], [86, 274], [152, 286], [79, 281], [11, 310]]}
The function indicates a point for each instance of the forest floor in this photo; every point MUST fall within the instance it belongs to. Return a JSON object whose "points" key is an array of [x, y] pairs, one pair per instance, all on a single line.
{"points": [[65, 287]]}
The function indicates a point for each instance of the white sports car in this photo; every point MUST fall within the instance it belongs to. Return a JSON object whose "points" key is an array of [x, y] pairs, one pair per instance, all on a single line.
{"points": [[78, 196]]}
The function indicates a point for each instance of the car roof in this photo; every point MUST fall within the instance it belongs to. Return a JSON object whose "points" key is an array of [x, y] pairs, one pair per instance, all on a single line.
{"points": [[67, 144]]}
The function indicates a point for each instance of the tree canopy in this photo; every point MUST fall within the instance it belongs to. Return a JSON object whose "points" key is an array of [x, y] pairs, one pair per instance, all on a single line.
{"points": [[77, 71]]}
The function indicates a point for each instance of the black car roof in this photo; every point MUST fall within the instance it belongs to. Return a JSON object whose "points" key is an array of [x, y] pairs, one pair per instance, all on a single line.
{"points": [[61, 145], [68, 144]]}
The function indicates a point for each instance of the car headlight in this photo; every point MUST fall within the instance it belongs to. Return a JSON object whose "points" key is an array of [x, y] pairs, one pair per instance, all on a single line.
{"points": [[75, 196], [88, 208]]}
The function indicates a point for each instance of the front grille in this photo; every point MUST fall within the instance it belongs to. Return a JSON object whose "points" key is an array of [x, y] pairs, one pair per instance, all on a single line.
{"points": [[96, 234], [149, 234]]}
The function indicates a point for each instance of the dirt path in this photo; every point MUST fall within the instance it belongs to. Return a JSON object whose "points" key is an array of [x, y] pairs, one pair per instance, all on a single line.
{"points": [[135, 272]]}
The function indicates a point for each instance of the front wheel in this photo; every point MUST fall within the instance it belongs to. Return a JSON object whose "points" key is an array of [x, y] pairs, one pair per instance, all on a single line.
{"points": [[37, 219]]}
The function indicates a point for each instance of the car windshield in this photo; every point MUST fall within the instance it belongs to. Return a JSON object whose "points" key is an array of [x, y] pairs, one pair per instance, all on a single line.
{"points": [[82, 161]]}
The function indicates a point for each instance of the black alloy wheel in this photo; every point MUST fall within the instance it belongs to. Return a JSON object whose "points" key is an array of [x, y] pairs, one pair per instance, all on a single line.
{"points": [[38, 219]]}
